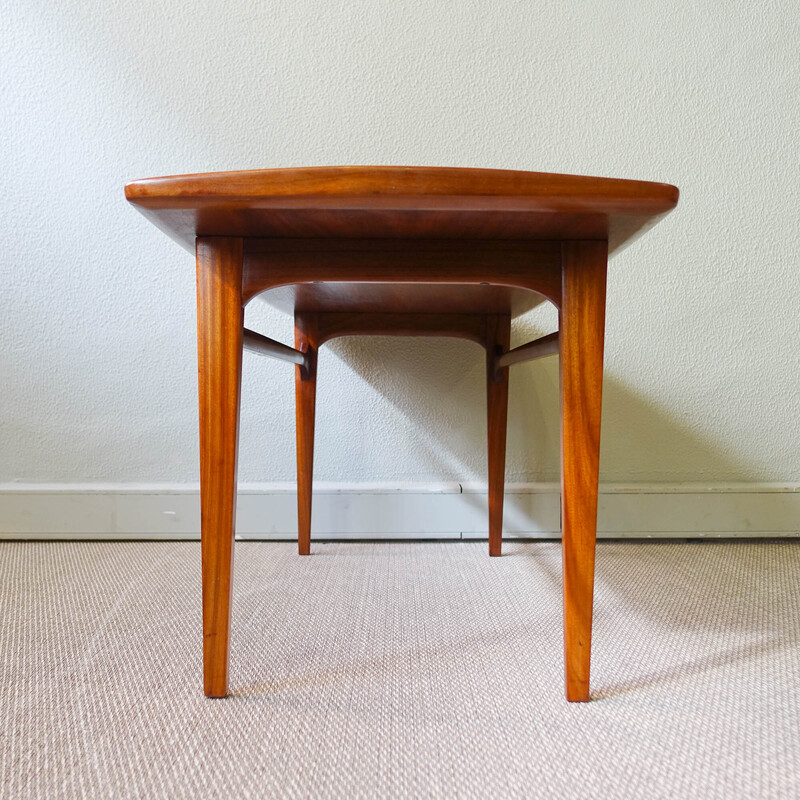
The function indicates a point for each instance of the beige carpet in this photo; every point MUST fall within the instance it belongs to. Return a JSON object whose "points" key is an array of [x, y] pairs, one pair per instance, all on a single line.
{"points": [[400, 670]]}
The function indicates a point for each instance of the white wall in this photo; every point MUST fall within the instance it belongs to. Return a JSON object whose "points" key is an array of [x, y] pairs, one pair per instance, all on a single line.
{"points": [[97, 307]]}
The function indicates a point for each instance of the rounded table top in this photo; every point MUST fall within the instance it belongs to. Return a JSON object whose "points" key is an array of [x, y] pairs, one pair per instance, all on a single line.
{"points": [[400, 202]]}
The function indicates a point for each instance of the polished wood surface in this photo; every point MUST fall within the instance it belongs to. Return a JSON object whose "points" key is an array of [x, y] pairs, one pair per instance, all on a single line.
{"points": [[307, 341], [461, 326], [582, 327], [263, 345], [401, 251], [220, 317], [406, 298], [397, 272], [538, 348], [402, 202], [498, 337], [492, 331]]}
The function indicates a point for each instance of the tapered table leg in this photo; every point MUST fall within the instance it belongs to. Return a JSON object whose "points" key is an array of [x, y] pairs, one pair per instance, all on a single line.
{"points": [[498, 338], [582, 326], [219, 356], [306, 340]]}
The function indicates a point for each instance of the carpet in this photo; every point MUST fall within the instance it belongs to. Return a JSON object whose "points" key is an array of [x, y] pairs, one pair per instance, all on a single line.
{"points": [[399, 670]]}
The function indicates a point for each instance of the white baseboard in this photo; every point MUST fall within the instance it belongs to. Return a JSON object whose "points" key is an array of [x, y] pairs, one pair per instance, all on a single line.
{"points": [[396, 511]]}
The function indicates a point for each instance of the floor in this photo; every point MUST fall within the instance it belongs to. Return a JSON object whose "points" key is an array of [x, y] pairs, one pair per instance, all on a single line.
{"points": [[400, 670]]}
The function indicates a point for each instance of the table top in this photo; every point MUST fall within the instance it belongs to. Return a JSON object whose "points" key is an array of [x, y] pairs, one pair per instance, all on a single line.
{"points": [[400, 202]]}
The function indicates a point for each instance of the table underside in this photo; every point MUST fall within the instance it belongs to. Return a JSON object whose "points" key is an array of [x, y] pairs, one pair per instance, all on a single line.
{"points": [[402, 298]]}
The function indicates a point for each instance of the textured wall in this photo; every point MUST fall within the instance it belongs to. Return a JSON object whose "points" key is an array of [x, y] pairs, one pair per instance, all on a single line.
{"points": [[97, 307]]}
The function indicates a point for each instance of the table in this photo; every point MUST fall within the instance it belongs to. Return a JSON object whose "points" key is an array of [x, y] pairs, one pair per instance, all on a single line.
{"points": [[405, 251]]}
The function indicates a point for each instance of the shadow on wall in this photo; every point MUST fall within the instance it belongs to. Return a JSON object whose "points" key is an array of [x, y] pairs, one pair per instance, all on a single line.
{"points": [[640, 441]]}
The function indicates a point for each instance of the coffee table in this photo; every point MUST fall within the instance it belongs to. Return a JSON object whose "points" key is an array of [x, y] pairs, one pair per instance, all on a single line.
{"points": [[419, 251]]}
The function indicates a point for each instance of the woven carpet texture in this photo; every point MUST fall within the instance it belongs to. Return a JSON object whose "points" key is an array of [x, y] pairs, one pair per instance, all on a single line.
{"points": [[400, 671]]}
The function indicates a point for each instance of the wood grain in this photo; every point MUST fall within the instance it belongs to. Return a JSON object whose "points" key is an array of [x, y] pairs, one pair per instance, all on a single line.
{"points": [[405, 298], [401, 202], [406, 251], [498, 338], [264, 346], [306, 339], [538, 348], [462, 326], [582, 330], [395, 268], [219, 359]]}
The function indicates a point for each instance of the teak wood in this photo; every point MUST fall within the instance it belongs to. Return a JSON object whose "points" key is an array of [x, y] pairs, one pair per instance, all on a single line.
{"points": [[220, 317], [498, 337], [402, 251], [581, 327], [307, 341]]}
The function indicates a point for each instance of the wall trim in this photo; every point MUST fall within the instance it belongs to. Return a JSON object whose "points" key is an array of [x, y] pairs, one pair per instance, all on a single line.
{"points": [[93, 511]]}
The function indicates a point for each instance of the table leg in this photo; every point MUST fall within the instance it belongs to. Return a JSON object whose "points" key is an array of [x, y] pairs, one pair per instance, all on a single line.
{"points": [[582, 325], [498, 338], [306, 339], [220, 318]]}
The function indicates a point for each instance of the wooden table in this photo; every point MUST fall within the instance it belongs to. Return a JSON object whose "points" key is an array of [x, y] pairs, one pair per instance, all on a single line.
{"points": [[409, 251]]}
